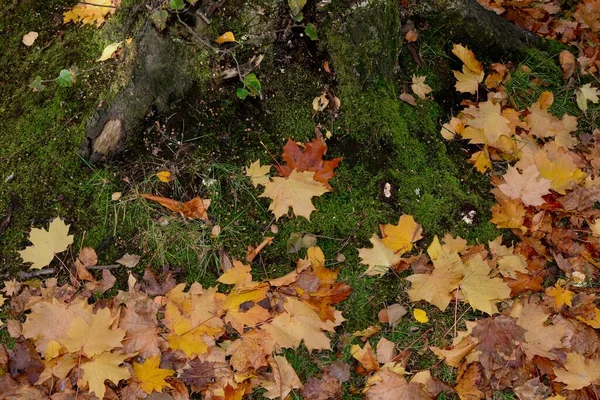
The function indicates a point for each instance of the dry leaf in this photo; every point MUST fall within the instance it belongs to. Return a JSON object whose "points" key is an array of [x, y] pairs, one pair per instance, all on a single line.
{"points": [[227, 37], [29, 38], [46, 244], [193, 209]]}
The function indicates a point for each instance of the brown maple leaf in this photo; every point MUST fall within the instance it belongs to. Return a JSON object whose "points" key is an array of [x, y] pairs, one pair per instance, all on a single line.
{"points": [[198, 375], [311, 159]]}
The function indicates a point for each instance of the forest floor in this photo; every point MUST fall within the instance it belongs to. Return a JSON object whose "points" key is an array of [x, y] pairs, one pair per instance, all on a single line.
{"points": [[207, 138]]}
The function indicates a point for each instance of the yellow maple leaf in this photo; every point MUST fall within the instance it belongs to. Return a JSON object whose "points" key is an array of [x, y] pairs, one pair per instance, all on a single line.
{"points": [[296, 191], [93, 337], [90, 13], [366, 356], [561, 296], [379, 258], [479, 290], [481, 160], [435, 288], [50, 320], [46, 244], [400, 237], [102, 367], [239, 275], [58, 367], [467, 57], [184, 335], [164, 176], [300, 323], [578, 372], [285, 379], [508, 214], [239, 318], [561, 171], [225, 38], [467, 81], [419, 87], [258, 174], [150, 376], [488, 118]]}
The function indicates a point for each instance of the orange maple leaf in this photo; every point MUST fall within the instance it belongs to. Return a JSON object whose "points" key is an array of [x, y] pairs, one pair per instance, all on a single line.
{"points": [[193, 209], [311, 159]]}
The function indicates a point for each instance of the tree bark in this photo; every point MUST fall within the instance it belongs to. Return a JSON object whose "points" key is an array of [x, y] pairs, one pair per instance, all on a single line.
{"points": [[468, 21]]}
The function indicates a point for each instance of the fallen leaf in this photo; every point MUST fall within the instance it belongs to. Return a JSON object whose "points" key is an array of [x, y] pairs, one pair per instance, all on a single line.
{"points": [[193, 209], [259, 175], [419, 87], [91, 14], [227, 37], [110, 51], [325, 388], [567, 63], [150, 377], [164, 176], [411, 36], [46, 244], [420, 316], [311, 159], [392, 314], [578, 372], [529, 186], [435, 288], [584, 94], [365, 356], [400, 237], [467, 81], [129, 260], [94, 337], [285, 379], [480, 290], [29, 38], [467, 57], [386, 351], [408, 99], [388, 385], [198, 375], [379, 258], [105, 366], [561, 296], [295, 191]]}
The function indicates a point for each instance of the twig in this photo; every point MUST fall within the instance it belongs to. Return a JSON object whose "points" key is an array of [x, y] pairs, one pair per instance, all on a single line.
{"points": [[411, 344], [96, 5], [52, 271]]}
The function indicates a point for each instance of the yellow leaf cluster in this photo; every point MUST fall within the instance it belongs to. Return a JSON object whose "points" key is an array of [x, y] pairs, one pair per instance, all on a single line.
{"points": [[90, 13], [386, 252]]}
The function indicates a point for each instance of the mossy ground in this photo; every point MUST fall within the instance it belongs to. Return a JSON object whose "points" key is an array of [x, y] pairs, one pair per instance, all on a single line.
{"points": [[212, 135]]}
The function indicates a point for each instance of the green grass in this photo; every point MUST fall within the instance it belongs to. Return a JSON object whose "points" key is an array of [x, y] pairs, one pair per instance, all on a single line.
{"points": [[381, 139]]}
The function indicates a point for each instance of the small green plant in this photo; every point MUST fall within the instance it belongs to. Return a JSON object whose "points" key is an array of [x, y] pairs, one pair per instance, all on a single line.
{"points": [[65, 78], [252, 87]]}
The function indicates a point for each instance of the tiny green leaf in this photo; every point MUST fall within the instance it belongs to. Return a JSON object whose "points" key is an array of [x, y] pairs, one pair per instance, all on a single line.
{"points": [[37, 84], [65, 78], [253, 84], [159, 19], [242, 93], [299, 17], [311, 31], [176, 4]]}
